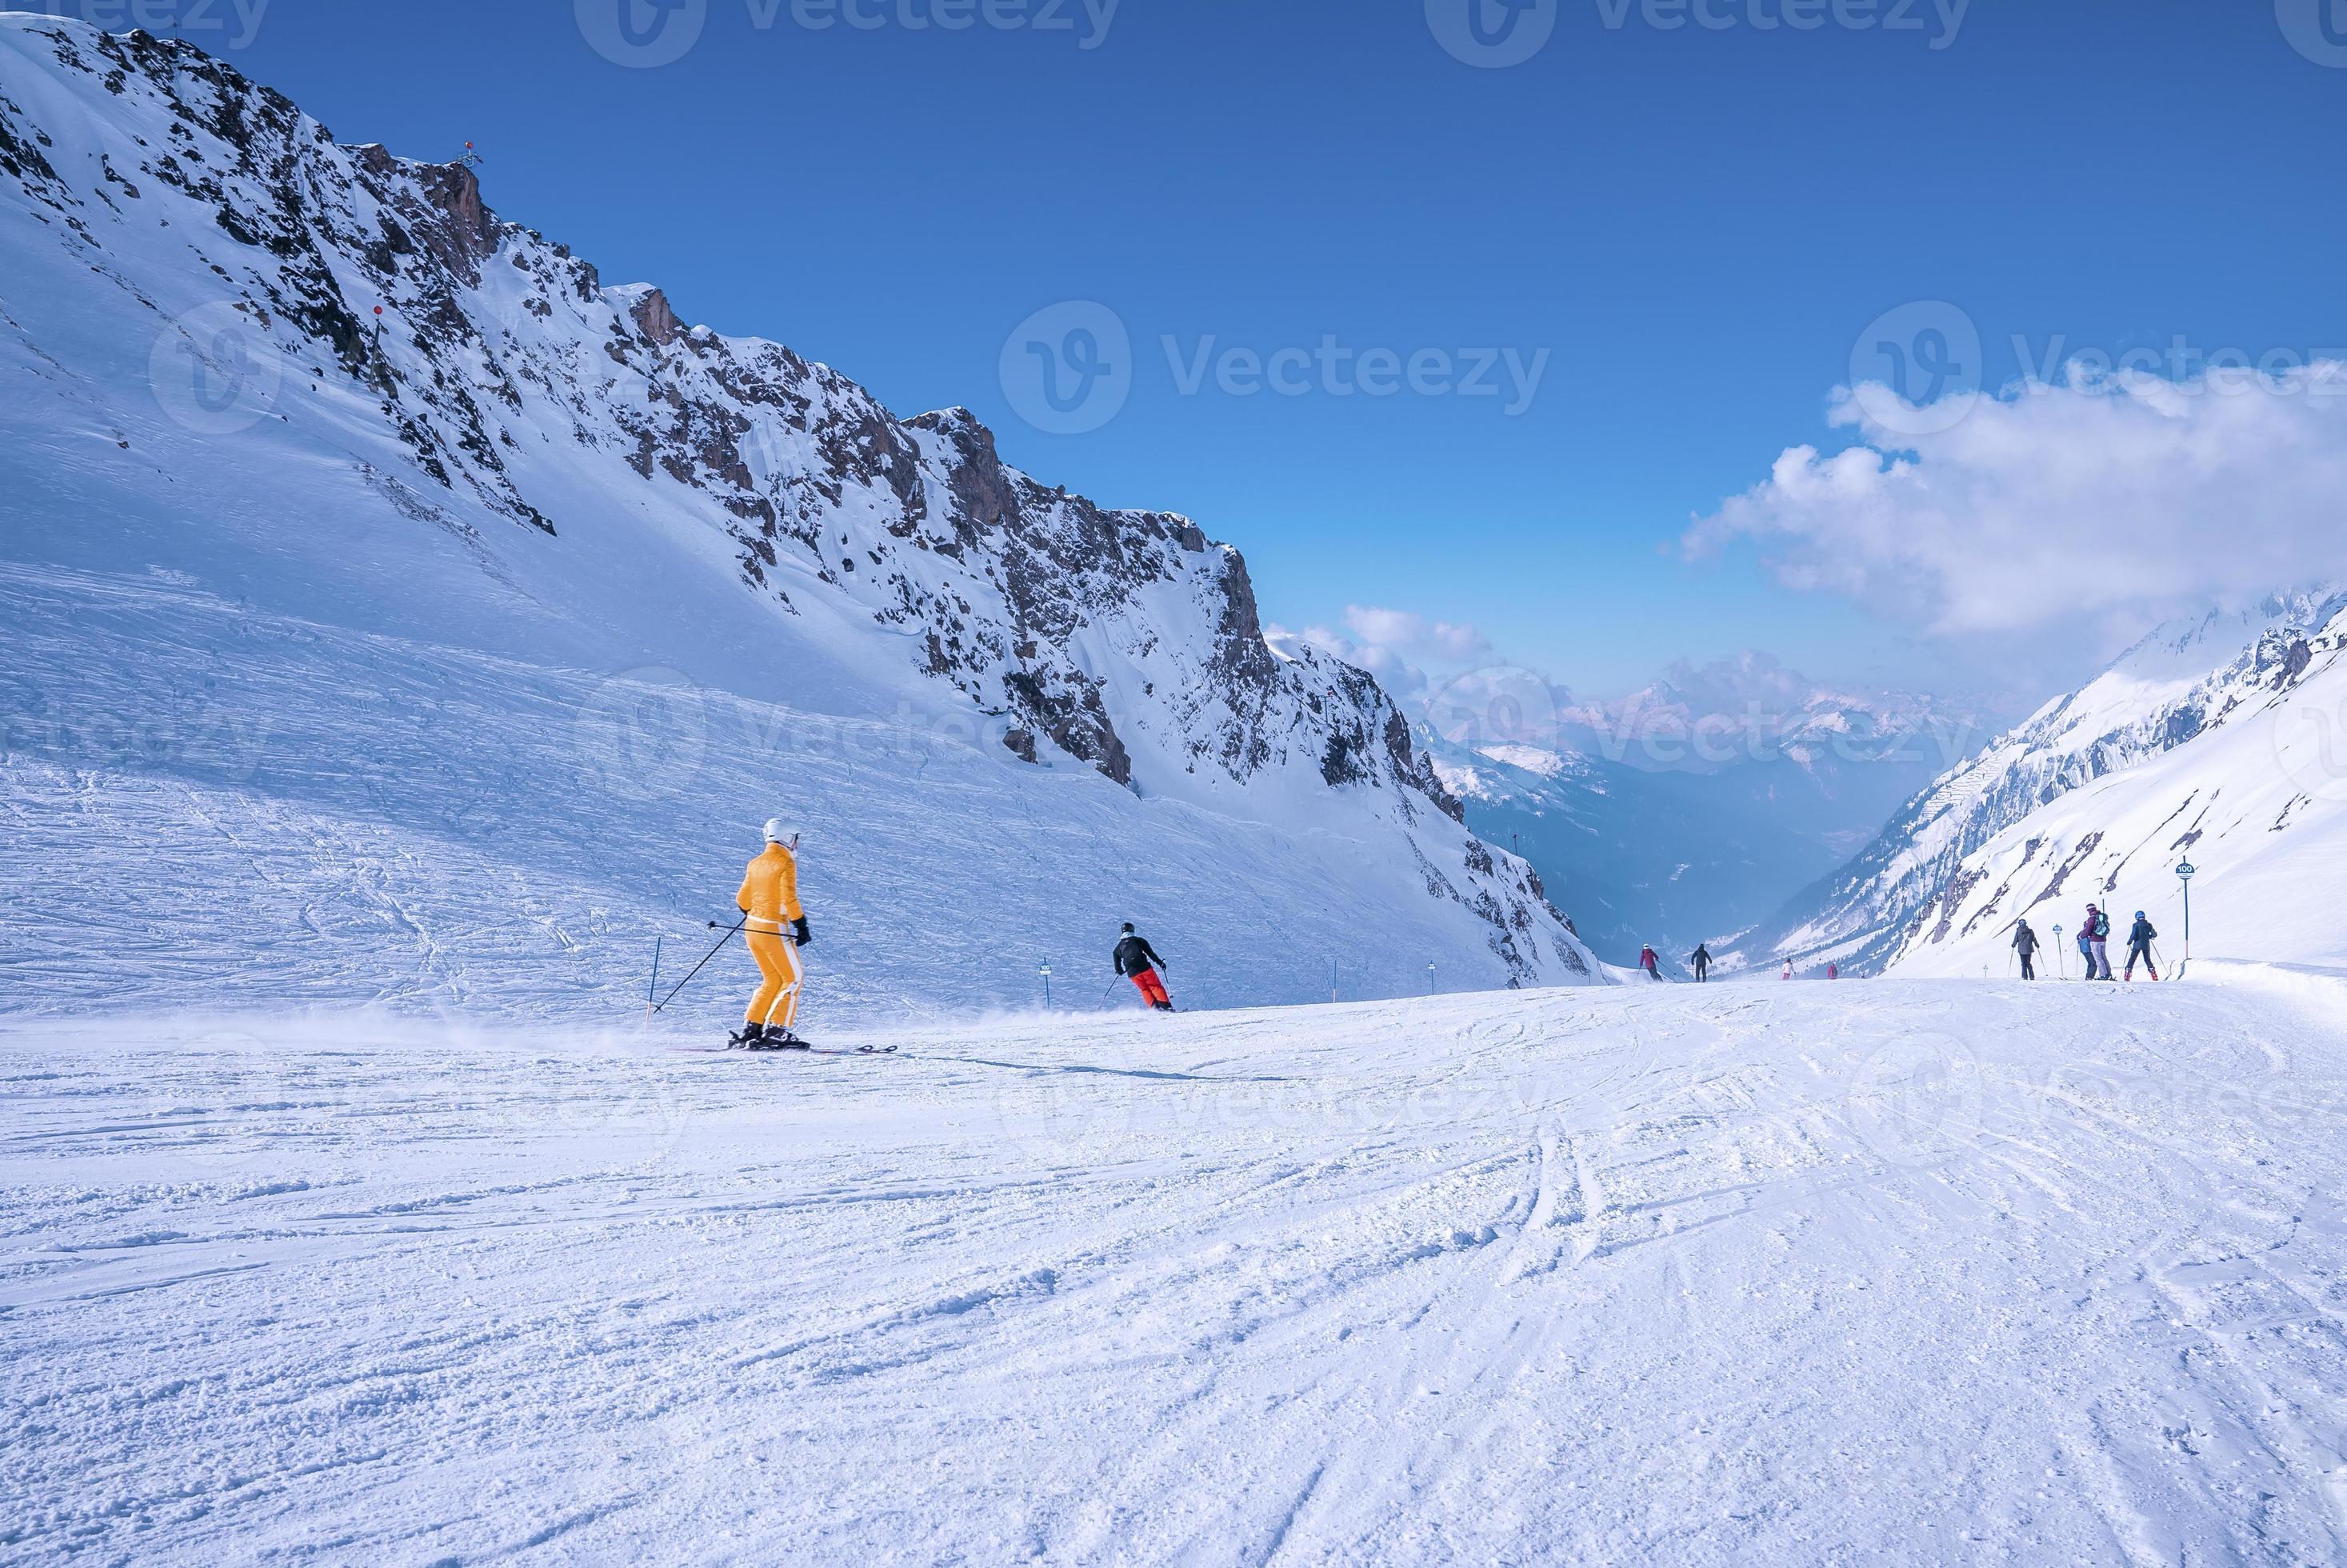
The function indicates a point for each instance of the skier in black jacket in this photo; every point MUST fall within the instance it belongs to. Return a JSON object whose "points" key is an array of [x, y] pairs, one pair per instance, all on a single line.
{"points": [[2024, 942], [1701, 959], [2139, 941], [1137, 961]]}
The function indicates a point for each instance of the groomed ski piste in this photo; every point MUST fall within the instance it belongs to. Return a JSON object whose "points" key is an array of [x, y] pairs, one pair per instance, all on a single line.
{"points": [[1917, 1271], [397, 651]]}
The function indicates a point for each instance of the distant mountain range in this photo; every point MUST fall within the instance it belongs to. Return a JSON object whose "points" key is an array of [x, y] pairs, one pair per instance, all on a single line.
{"points": [[1697, 806], [2222, 738]]}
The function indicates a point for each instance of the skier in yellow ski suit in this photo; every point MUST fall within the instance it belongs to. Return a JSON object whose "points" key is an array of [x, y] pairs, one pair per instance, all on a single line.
{"points": [[777, 928]]}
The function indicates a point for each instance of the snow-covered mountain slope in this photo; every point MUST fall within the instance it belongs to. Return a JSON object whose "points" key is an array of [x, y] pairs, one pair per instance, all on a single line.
{"points": [[2216, 738], [310, 447], [1753, 1273]]}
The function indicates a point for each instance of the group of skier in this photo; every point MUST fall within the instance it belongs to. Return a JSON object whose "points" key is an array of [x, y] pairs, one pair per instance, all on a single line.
{"points": [[1700, 962], [776, 927], [2094, 946]]}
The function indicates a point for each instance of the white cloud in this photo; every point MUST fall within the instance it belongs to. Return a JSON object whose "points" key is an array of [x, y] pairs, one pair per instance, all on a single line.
{"points": [[1411, 635], [2118, 499], [1387, 642]]}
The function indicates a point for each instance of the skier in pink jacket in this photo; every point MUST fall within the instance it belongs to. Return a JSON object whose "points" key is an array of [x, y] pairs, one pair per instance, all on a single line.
{"points": [[2097, 934]]}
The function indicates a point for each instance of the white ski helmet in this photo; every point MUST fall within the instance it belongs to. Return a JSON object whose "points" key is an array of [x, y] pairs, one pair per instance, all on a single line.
{"points": [[782, 833]]}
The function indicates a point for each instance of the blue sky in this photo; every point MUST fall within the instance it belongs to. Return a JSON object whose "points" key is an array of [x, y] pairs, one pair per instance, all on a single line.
{"points": [[1695, 224]]}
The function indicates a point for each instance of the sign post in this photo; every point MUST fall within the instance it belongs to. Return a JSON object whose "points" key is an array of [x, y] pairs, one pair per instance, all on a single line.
{"points": [[2185, 872]]}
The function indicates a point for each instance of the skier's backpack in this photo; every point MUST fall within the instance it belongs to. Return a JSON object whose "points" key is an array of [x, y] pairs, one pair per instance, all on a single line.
{"points": [[2102, 927]]}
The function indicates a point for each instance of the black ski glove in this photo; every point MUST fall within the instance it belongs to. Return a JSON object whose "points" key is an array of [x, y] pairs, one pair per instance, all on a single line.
{"points": [[799, 936]]}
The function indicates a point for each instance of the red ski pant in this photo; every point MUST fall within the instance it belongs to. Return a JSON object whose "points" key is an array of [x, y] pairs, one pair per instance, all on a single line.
{"points": [[1152, 989]]}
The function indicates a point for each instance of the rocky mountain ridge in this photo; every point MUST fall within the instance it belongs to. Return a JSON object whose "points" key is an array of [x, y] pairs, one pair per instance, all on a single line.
{"points": [[367, 296]]}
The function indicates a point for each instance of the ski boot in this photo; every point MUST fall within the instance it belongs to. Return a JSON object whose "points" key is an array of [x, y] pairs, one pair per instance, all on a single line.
{"points": [[779, 1040], [748, 1039]]}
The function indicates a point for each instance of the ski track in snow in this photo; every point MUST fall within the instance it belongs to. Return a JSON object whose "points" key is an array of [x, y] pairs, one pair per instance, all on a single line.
{"points": [[1926, 1270]]}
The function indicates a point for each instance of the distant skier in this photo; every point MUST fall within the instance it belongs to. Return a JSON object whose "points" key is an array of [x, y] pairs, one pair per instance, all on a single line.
{"points": [[2098, 945], [2139, 941], [1649, 962], [1833, 971], [1701, 959], [2024, 942], [777, 928], [1788, 970], [1137, 961]]}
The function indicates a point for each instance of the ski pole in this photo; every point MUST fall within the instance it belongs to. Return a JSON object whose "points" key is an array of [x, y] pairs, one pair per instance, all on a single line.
{"points": [[703, 964], [653, 990]]}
